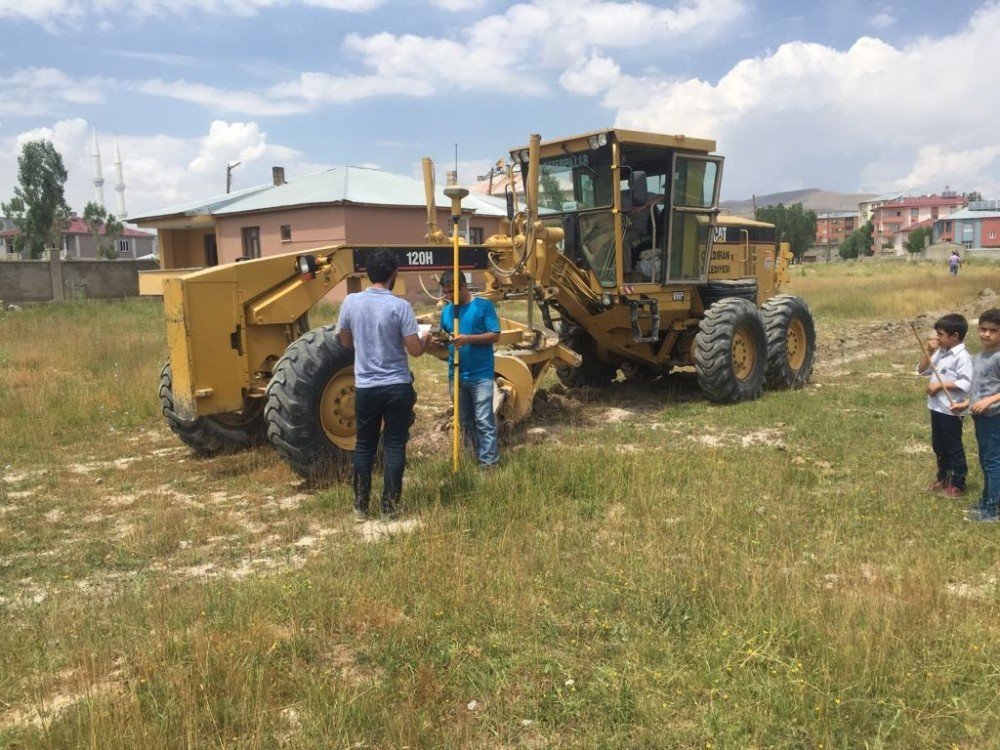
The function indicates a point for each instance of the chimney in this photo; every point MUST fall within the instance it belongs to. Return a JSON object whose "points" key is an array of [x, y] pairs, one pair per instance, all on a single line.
{"points": [[278, 175]]}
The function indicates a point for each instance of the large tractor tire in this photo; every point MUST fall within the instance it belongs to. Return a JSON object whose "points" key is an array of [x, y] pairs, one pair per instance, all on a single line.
{"points": [[592, 371], [730, 351], [310, 406], [218, 433], [791, 341]]}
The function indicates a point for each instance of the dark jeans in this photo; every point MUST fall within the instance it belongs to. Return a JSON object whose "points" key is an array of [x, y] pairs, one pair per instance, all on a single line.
{"points": [[988, 437], [391, 406], [946, 440]]}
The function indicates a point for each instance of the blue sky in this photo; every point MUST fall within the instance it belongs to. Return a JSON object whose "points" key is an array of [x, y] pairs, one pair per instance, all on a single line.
{"points": [[843, 95]]}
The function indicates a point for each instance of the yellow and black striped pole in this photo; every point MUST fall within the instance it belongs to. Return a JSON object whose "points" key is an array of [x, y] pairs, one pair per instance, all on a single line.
{"points": [[456, 194]]}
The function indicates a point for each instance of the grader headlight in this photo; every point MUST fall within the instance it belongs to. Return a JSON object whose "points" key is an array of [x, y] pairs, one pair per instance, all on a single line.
{"points": [[307, 266]]}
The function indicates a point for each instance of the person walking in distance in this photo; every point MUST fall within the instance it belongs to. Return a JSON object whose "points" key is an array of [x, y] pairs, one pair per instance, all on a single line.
{"points": [[382, 330], [954, 261], [479, 330]]}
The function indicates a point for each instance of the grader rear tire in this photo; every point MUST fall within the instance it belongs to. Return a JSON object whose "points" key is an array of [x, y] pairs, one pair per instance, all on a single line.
{"points": [[218, 433], [310, 406], [592, 371], [730, 351], [791, 341]]}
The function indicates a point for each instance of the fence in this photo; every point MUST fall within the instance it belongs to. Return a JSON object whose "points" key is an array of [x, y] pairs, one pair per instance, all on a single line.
{"points": [[42, 280]]}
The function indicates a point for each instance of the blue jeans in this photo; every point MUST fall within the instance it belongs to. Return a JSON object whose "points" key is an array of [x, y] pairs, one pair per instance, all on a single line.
{"points": [[479, 424], [988, 436], [391, 406]]}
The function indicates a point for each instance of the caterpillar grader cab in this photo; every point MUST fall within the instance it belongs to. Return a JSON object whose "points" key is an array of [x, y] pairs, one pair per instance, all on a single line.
{"points": [[619, 249]]}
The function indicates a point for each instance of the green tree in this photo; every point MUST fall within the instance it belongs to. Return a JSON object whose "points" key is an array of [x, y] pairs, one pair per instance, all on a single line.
{"points": [[867, 238], [38, 208], [917, 239], [102, 222], [973, 195], [849, 247], [793, 224], [857, 243]]}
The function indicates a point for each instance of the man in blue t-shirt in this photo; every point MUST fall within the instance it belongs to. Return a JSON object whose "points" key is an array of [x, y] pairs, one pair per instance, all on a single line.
{"points": [[382, 330], [478, 331]]}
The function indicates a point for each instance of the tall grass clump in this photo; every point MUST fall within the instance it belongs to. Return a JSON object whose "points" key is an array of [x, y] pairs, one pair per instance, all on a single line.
{"points": [[887, 290], [73, 371]]}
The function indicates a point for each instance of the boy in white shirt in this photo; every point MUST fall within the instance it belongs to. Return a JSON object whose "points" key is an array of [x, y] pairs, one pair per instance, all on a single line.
{"points": [[953, 378]]}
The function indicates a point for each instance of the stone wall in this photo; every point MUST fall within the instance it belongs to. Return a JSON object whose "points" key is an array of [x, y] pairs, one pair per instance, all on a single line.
{"points": [[41, 281]]}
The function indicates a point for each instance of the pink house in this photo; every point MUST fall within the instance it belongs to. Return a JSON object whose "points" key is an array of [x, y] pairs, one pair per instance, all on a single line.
{"points": [[894, 220]]}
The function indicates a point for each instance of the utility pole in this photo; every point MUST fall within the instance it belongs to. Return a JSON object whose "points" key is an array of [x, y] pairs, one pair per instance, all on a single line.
{"points": [[229, 175]]}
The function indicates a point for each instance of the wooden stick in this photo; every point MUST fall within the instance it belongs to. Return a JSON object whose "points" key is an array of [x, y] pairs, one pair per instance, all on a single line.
{"points": [[930, 358]]}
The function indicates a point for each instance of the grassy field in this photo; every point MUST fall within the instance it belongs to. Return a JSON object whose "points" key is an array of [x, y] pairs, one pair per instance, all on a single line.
{"points": [[647, 570]]}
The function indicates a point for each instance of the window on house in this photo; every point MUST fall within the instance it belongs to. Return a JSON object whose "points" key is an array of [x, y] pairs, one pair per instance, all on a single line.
{"points": [[934, 213], [286, 232], [913, 214], [251, 242], [476, 235], [124, 247], [993, 235]]}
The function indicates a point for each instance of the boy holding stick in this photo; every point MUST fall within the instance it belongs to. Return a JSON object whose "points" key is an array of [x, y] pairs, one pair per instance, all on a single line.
{"points": [[948, 368]]}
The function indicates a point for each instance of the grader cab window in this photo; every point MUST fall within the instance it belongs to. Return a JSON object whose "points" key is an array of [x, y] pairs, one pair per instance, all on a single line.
{"points": [[694, 200]]}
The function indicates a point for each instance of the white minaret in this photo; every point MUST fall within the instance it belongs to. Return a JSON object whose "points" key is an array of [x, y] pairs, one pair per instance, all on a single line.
{"points": [[119, 182], [98, 173]]}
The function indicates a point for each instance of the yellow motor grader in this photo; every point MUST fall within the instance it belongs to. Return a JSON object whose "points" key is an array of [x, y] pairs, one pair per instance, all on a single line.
{"points": [[620, 250]]}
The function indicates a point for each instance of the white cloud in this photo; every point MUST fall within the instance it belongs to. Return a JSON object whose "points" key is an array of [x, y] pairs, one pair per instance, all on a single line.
{"points": [[518, 51], [159, 170], [229, 142], [939, 166], [456, 6], [44, 91], [591, 76], [809, 115], [221, 100], [883, 19], [58, 15]]}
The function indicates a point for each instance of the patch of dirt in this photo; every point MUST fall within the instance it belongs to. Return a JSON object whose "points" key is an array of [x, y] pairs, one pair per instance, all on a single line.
{"points": [[841, 345], [63, 695]]}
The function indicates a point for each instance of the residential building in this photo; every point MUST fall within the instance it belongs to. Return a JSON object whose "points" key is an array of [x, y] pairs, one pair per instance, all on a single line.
{"points": [[79, 242], [340, 205], [976, 225], [833, 227], [893, 220]]}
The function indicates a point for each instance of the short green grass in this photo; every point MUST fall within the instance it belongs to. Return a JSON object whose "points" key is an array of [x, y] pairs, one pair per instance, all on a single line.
{"points": [[651, 571]]}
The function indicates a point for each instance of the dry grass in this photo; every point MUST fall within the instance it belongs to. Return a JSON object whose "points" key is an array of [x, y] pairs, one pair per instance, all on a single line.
{"points": [[647, 570]]}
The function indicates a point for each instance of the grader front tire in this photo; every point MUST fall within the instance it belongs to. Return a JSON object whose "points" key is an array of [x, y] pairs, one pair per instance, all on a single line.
{"points": [[730, 351], [310, 406], [791, 341], [209, 435]]}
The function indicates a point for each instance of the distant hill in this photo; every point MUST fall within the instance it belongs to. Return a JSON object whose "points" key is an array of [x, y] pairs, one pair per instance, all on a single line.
{"points": [[815, 199]]}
